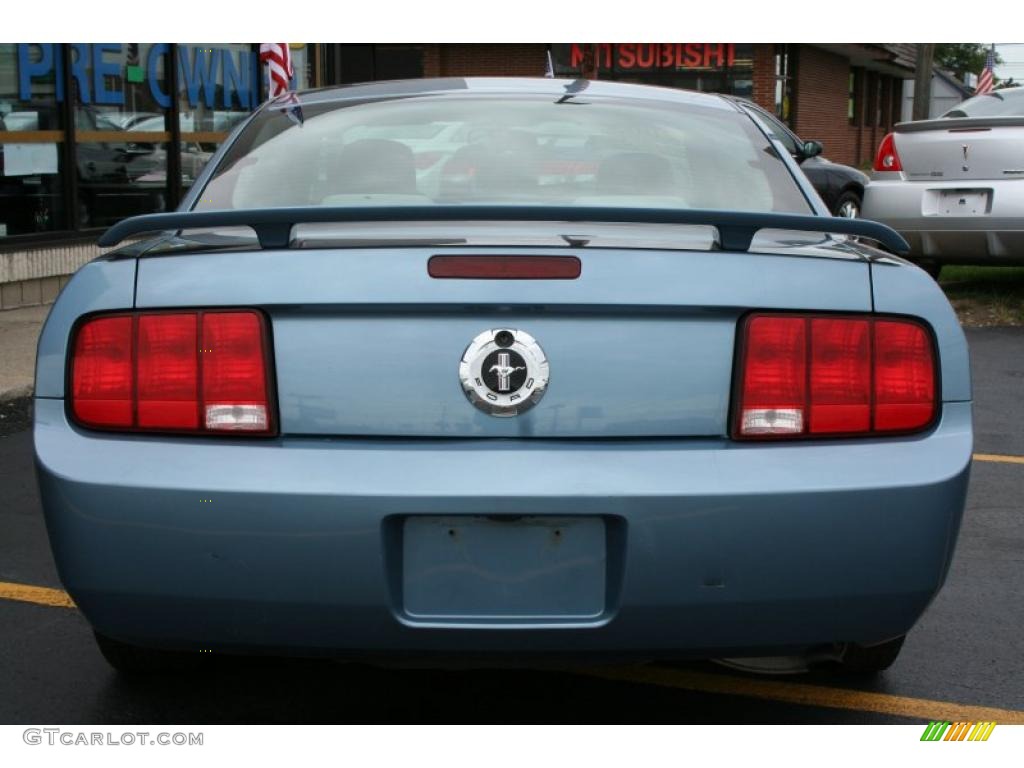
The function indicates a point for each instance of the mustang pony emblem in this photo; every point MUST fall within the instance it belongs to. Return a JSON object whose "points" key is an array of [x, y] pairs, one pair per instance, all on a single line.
{"points": [[505, 371]]}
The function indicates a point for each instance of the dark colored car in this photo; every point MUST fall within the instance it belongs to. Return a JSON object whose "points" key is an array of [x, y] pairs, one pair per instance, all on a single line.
{"points": [[840, 186]]}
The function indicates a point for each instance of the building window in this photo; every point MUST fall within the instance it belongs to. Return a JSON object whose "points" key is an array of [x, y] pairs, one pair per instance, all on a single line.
{"points": [[784, 83], [895, 102], [397, 62], [32, 140], [120, 101], [873, 106], [853, 101], [219, 84], [884, 85], [360, 63]]}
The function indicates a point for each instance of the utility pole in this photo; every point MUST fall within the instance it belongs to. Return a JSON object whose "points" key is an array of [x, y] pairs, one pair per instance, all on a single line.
{"points": [[923, 80]]}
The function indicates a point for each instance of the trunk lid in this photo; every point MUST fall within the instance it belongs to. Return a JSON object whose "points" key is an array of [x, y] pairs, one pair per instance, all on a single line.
{"points": [[962, 148], [640, 345]]}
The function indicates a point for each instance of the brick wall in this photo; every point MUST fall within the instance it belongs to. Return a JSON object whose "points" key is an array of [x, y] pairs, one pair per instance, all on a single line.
{"points": [[764, 76], [479, 60], [821, 96]]}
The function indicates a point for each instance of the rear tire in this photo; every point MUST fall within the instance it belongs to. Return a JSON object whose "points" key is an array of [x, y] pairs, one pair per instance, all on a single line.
{"points": [[870, 660], [134, 661]]}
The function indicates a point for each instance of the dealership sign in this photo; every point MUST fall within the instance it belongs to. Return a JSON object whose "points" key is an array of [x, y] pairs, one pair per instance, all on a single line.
{"points": [[216, 77], [648, 57]]}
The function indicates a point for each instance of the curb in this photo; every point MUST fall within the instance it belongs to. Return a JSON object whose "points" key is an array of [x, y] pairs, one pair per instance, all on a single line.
{"points": [[14, 393]]}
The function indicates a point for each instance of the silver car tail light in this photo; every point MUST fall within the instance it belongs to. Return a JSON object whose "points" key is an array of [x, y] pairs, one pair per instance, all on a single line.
{"points": [[887, 158]]}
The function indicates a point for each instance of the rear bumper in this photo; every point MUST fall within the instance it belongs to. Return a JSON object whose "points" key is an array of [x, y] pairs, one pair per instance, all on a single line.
{"points": [[996, 236], [718, 548]]}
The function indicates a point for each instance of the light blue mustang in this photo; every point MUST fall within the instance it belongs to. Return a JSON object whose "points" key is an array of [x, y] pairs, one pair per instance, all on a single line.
{"points": [[503, 367]]}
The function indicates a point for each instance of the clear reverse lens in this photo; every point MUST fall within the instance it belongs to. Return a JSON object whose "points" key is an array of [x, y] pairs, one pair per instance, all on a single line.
{"points": [[780, 421], [242, 418]]}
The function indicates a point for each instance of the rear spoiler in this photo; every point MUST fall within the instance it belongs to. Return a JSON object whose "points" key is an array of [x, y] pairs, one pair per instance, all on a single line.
{"points": [[960, 124], [273, 226]]}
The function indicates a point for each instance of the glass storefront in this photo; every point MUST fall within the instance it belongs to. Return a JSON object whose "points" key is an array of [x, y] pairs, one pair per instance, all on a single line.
{"points": [[135, 128]]}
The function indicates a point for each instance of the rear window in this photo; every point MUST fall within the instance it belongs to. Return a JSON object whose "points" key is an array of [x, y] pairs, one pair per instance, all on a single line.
{"points": [[508, 149], [1007, 102]]}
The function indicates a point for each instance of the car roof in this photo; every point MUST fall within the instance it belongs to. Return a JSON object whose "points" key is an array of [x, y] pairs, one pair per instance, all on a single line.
{"points": [[541, 86]]}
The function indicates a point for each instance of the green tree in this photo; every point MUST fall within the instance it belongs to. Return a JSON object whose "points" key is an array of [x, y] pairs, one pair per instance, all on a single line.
{"points": [[963, 58]]}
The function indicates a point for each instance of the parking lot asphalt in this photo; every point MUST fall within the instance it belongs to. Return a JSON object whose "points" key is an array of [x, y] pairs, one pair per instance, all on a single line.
{"points": [[966, 654]]}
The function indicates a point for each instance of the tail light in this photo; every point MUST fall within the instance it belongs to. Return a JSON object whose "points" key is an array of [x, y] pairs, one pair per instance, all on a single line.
{"points": [[193, 372], [887, 158], [832, 376]]}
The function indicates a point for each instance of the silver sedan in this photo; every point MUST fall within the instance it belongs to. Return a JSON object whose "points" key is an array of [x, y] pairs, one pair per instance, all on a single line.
{"points": [[954, 186]]}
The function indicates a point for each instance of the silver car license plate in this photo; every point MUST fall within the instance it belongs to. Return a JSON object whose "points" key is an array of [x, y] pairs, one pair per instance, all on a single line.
{"points": [[964, 202]]}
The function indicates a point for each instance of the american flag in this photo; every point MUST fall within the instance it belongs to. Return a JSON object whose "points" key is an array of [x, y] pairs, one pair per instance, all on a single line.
{"points": [[985, 78], [278, 59]]}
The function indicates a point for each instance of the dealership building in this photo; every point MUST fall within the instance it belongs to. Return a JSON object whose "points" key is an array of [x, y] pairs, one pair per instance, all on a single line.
{"points": [[91, 133]]}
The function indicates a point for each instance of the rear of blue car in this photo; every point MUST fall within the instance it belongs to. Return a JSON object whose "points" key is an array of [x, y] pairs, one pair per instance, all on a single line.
{"points": [[279, 450]]}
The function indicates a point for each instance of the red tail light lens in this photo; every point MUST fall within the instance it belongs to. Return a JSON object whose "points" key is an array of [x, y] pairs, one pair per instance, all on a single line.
{"points": [[807, 376], [195, 372], [887, 158], [103, 378], [840, 375], [904, 376], [168, 372]]}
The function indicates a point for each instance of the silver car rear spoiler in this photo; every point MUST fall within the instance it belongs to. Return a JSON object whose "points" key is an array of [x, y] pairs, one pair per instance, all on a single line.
{"points": [[273, 226], [959, 124]]}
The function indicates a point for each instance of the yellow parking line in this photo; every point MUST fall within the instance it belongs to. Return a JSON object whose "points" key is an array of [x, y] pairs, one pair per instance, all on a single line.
{"points": [[807, 695], [26, 593], [999, 458]]}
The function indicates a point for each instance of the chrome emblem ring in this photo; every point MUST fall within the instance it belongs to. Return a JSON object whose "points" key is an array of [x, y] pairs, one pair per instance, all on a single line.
{"points": [[504, 372]]}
